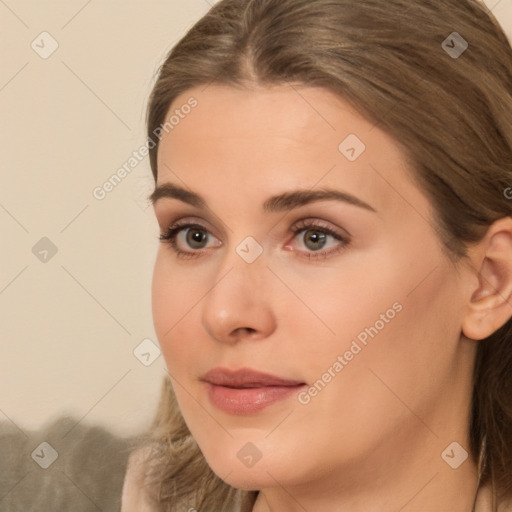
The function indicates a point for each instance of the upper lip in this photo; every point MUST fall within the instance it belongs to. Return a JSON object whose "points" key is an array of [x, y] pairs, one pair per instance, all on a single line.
{"points": [[246, 377]]}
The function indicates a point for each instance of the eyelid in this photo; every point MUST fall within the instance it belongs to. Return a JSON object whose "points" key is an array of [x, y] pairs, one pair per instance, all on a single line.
{"points": [[314, 222], [186, 220], [304, 222], [344, 240]]}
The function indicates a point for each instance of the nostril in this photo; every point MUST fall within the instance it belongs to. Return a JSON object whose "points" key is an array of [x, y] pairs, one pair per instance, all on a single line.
{"points": [[244, 330]]}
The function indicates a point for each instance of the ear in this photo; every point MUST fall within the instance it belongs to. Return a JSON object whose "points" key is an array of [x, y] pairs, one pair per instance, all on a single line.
{"points": [[490, 303]]}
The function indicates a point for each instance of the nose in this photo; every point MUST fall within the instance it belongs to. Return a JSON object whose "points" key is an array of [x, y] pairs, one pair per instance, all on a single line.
{"points": [[239, 304]]}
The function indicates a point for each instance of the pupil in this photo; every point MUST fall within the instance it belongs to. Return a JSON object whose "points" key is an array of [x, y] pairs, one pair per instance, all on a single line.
{"points": [[196, 237], [315, 238]]}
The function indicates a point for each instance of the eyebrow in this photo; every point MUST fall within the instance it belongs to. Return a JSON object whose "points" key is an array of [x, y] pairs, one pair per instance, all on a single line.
{"points": [[279, 203]]}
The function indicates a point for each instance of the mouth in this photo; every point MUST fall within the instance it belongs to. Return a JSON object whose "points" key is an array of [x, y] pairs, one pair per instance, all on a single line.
{"points": [[247, 391], [246, 378]]}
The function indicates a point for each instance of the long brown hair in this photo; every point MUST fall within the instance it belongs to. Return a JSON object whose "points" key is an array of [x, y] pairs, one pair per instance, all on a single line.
{"points": [[450, 112]]}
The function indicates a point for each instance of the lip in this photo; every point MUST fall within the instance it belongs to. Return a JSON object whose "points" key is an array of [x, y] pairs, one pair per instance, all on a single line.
{"points": [[246, 391], [246, 377]]}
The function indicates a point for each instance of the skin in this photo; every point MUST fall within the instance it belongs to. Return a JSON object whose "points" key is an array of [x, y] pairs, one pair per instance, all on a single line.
{"points": [[372, 439]]}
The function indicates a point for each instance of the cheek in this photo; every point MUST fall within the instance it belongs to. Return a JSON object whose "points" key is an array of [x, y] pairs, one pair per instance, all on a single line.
{"points": [[331, 306], [400, 316], [172, 300], [177, 302], [407, 350], [162, 298]]}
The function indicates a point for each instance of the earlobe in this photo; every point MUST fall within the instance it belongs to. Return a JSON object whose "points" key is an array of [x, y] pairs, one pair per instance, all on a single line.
{"points": [[490, 304]]}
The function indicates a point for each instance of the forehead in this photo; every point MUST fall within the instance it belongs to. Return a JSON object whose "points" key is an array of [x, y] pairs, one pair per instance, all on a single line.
{"points": [[269, 140], [307, 115]]}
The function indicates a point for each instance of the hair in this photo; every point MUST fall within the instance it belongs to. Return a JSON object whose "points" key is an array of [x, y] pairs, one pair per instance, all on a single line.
{"points": [[452, 118]]}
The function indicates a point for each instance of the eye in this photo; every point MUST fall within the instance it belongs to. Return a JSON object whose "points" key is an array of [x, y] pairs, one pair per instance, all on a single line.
{"points": [[194, 236], [314, 236], [190, 240]]}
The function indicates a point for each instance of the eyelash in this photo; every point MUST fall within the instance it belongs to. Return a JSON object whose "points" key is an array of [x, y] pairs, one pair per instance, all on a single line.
{"points": [[172, 232]]}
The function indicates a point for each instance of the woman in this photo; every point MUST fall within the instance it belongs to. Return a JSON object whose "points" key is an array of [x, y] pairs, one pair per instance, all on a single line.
{"points": [[333, 291]]}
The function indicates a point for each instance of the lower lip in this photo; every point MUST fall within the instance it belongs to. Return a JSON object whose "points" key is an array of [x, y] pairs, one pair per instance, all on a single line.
{"points": [[249, 400]]}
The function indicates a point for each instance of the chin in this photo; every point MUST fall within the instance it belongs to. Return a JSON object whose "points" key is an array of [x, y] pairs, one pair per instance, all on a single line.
{"points": [[246, 479], [242, 475]]}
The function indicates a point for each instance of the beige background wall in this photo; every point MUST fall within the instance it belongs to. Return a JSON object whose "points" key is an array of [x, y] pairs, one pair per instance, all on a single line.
{"points": [[70, 321]]}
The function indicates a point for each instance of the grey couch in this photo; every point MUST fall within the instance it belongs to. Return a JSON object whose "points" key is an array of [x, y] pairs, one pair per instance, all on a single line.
{"points": [[67, 466]]}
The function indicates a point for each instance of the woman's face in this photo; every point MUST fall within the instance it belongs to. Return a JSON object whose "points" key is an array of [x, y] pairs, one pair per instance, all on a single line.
{"points": [[349, 299]]}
